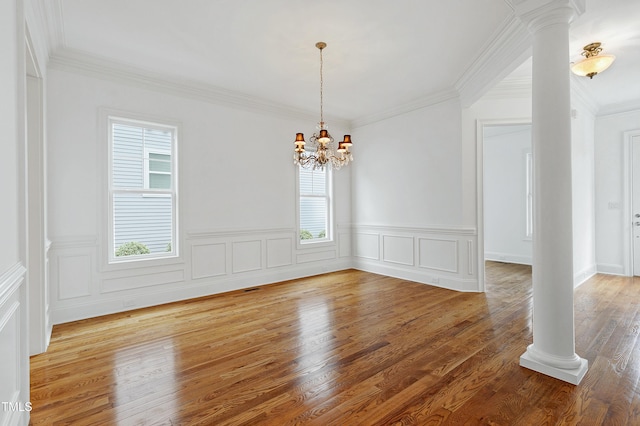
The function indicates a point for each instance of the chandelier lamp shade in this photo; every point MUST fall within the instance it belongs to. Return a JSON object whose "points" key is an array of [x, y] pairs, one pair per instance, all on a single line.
{"points": [[321, 150], [593, 63]]}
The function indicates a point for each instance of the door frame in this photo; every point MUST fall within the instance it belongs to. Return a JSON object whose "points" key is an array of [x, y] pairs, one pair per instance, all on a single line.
{"points": [[480, 125], [35, 195], [627, 202]]}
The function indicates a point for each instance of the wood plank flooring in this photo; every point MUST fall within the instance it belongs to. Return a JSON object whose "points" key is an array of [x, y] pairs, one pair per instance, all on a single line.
{"points": [[348, 348]]}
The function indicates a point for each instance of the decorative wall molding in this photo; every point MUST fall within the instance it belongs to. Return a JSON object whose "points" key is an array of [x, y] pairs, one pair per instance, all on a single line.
{"points": [[495, 60], [208, 260], [622, 108], [223, 233], [75, 271], [213, 261], [423, 102], [439, 256], [398, 249], [246, 256], [510, 88], [440, 230], [13, 356], [70, 242], [11, 280], [75, 61]]}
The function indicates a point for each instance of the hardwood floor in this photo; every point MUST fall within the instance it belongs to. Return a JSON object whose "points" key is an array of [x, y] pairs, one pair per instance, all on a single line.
{"points": [[348, 348]]}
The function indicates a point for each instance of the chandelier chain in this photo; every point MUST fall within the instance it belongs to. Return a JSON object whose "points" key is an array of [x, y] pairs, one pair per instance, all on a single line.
{"points": [[321, 87]]}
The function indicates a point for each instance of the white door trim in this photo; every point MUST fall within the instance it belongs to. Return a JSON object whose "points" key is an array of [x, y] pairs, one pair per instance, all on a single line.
{"points": [[627, 194]]}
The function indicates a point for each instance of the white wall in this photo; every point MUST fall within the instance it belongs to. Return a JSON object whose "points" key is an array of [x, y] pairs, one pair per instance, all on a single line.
{"points": [[609, 182], [407, 199], [583, 189], [237, 198], [14, 354], [505, 194]]}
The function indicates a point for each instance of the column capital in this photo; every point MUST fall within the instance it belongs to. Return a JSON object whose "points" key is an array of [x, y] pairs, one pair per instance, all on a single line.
{"points": [[537, 14]]}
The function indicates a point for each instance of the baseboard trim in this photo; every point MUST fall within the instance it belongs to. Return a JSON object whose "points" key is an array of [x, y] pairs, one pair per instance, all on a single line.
{"points": [[429, 278], [610, 269]]}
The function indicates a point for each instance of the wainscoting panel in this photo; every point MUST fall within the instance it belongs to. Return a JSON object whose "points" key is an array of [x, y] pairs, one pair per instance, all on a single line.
{"points": [[344, 244], [247, 256], [439, 254], [443, 257], [83, 285], [208, 260], [279, 252], [398, 250], [316, 256], [367, 245], [74, 274], [135, 280], [14, 358]]}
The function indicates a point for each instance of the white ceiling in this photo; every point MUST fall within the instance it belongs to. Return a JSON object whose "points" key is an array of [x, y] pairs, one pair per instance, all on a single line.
{"points": [[381, 54]]}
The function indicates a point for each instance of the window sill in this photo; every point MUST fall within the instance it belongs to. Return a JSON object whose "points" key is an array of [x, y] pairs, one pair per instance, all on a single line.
{"points": [[316, 244]]}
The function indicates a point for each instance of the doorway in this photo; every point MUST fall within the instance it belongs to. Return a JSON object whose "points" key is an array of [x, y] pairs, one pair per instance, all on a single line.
{"points": [[505, 193], [35, 196]]}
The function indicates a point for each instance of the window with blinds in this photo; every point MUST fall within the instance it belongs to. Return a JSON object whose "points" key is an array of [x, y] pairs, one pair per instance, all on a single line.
{"points": [[314, 205], [142, 190]]}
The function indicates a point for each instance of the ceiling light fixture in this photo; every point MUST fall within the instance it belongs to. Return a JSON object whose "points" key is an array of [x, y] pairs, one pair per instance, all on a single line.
{"points": [[322, 142], [593, 63]]}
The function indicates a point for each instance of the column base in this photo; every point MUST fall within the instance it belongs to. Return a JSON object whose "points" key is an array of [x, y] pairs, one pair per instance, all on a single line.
{"points": [[573, 375]]}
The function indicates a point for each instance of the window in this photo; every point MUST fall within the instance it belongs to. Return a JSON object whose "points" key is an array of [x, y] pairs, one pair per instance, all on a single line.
{"points": [[157, 171], [142, 190], [314, 205]]}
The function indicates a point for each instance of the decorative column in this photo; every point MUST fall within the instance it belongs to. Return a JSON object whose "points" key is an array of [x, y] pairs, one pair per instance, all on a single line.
{"points": [[553, 349]]}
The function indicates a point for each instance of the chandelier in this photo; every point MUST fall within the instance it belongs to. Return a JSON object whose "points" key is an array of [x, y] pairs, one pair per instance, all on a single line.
{"points": [[593, 63], [322, 150]]}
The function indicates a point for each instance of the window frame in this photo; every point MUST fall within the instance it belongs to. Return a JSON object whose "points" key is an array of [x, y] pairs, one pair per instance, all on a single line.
{"points": [[329, 238], [173, 192]]}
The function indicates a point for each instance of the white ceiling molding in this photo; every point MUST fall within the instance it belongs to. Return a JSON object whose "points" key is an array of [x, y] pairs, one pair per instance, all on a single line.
{"points": [[50, 16], [510, 88], [426, 101], [527, 9], [106, 69], [621, 108], [508, 48]]}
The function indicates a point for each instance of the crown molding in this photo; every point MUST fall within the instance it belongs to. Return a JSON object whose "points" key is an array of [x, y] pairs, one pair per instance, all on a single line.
{"points": [[98, 67], [50, 13], [509, 47], [620, 108], [422, 102], [510, 88]]}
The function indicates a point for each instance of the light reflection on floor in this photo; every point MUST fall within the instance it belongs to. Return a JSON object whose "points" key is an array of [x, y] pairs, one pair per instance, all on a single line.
{"points": [[138, 371]]}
